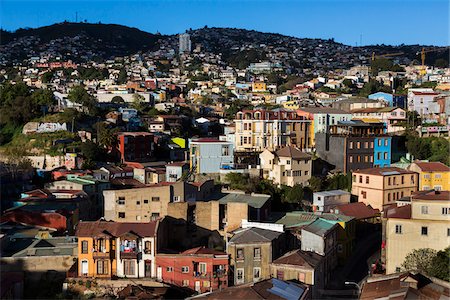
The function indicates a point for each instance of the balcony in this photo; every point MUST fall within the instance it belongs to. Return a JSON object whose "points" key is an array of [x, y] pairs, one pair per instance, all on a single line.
{"points": [[98, 254], [130, 254]]}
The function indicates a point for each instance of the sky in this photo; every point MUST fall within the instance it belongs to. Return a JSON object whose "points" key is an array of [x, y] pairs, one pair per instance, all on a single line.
{"points": [[352, 22]]}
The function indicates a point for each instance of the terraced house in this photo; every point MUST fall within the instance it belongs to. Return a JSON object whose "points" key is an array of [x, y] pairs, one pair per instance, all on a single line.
{"points": [[108, 249], [432, 175]]}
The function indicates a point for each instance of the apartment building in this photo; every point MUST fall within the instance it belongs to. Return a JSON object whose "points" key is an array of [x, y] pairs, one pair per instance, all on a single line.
{"points": [[261, 129], [287, 166], [424, 223], [392, 117], [109, 249], [324, 201], [432, 175], [379, 187], [143, 204], [135, 146]]}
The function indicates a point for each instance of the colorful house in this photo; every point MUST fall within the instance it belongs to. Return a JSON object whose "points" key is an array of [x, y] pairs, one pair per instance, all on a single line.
{"points": [[432, 175], [109, 249], [200, 269]]}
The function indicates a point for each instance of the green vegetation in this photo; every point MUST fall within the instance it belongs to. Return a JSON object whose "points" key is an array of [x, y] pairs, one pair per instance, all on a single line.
{"points": [[243, 59], [235, 107], [430, 262], [374, 86], [20, 104], [384, 64], [123, 77], [429, 148], [78, 94]]}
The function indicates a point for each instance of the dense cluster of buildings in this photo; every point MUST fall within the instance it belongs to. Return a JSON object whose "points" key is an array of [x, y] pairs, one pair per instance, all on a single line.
{"points": [[162, 209]]}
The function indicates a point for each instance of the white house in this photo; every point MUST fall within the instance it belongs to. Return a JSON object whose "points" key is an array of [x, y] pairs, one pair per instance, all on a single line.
{"points": [[323, 201]]}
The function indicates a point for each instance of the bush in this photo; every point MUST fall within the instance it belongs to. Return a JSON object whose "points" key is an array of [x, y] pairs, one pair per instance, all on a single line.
{"points": [[80, 282], [88, 284]]}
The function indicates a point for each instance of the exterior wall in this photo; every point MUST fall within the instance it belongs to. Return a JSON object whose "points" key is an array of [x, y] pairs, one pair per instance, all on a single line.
{"points": [[312, 242], [325, 202], [207, 214], [139, 264], [108, 255], [381, 190], [289, 272], [135, 207], [236, 212], [209, 157], [333, 153], [249, 262], [359, 153], [135, 147], [170, 268], [432, 180], [398, 246], [382, 152]]}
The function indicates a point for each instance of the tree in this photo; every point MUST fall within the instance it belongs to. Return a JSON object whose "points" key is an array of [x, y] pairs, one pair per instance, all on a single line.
{"points": [[420, 260], [117, 99], [92, 153], [315, 184], [123, 77], [138, 102], [294, 194], [78, 94], [440, 267], [106, 136]]}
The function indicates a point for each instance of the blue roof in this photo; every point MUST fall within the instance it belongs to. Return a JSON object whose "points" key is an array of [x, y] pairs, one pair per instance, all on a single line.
{"points": [[286, 290]]}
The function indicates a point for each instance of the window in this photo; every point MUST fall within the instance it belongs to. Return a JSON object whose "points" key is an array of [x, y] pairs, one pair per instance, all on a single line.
{"points": [[366, 145], [301, 277], [102, 267], [395, 180], [403, 179], [379, 142], [240, 254], [366, 158], [437, 176], [206, 284], [424, 230], [288, 162], [350, 159], [121, 215], [371, 145], [371, 158], [350, 145], [84, 247], [121, 201], [398, 229], [202, 268], [379, 155], [424, 210], [448, 231], [446, 210], [358, 145], [148, 247], [256, 273], [360, 179], [427, 176], [169, 269], [389, 197], [154, 216], [354, 178], [145, 201], [389, 180], [101, 245], [386, 142], [359, 158], [257, 253], [385, 155], [185, 282], [155, 198], [280, 275], [138, 202], [225, 150], [412, 179], [239, 275], [184, 269], [397, 269], [364, 194], [176, 198]]}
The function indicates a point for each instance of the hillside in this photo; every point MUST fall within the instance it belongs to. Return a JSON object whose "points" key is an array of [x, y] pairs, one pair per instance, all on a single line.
{"points": [[105, 40]]}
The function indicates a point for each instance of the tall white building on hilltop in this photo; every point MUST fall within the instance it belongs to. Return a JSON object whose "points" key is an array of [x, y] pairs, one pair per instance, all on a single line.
{"points": [[185, 42]]}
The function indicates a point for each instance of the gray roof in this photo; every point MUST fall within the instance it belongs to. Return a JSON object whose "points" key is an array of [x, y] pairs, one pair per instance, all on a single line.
{"points": [[332, 193], [253, 200], [254, 235], [319, 227], [324, 110], [43, 247]]}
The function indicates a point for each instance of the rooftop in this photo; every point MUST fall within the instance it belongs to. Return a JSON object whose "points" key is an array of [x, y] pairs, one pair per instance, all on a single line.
{"points": [[432, 166], [253, 200], [384, 171], [292, 152], [254, 235], [358, 210], [323, 110], [398, 212], [431, 195], [319, 227], [299, 258], [101, 227]]}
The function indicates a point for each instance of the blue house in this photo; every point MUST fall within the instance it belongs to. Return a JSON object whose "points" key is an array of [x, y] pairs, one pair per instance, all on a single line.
{"points": [[399, 101], [382, 151]]}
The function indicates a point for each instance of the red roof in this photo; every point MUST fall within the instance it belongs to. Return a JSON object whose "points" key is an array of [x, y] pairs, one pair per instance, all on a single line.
{"points": [[202, 250], [425, 93], [383, 171], [95, 228], [431, 195], [358, 210], [398, 212], [432, 166]]}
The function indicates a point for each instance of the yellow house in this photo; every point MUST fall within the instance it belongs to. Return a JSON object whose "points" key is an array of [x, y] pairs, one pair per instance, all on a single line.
{"points": [[432, 175], [259, 87]]}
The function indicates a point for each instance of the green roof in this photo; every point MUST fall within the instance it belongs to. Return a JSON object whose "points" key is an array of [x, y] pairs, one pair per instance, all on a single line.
{"points": [[253, 200]]}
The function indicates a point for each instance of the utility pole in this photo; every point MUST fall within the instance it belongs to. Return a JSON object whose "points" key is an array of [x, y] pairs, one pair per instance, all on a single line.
{"points": [[76, 17]]}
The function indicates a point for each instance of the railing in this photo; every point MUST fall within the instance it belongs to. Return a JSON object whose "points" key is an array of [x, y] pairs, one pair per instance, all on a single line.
{"points": [[130, 255], [101, 254]]}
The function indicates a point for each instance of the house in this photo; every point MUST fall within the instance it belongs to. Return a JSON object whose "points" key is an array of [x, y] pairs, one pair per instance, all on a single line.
{"points": [[432, 175], [306, 267], [200, 269], [259, 206], [394, 118], [175, 170], [423, 102], [367, 219], [108, 249], [252, 250], [379, 187], [264, 289], [321, 118], [287, 166], [135, 146], [142, 204], [261, 129], [423, 222], [323, 201], [209, 155]]}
